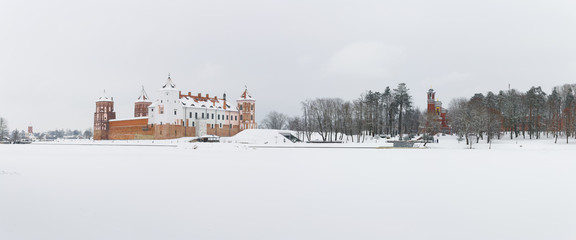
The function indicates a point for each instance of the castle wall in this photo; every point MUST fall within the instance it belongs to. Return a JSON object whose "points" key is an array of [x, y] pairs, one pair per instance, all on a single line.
{"points": [[224, 131], [133, 129], [169, 131], [100, 134], [130, 129]]}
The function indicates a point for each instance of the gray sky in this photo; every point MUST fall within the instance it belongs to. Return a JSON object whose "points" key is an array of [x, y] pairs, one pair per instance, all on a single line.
{"points": [[56, 57]]}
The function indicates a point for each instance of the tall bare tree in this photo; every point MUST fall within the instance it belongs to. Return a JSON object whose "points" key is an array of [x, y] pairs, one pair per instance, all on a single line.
{"points": [[275, 120], [404, 102], [3, 128]]}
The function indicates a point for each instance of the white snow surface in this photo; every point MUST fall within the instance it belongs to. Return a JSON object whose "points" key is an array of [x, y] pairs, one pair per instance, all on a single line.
{"points": [[516, 190], [259, 136]]}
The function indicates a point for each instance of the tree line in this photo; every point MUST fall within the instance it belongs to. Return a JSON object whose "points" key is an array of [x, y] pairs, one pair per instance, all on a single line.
{"points": [[389, 112], [16, 135], [531, 114]]}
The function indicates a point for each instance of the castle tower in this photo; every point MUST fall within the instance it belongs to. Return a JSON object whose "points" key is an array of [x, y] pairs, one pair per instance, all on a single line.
{"points": [[104, 113], [166, 114], [141, 104], [168, 108], [247, 108]]}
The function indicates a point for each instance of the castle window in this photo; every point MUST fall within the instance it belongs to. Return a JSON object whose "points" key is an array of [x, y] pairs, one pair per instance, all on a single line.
{"points": [[174, 111], [240, 107], [236, 118], [240, 117], [251, 117], [212, 115], [230, 125], [218, 116], [212, 125], [192, 124], [190, 115], [202, 115], [252, 107], [227, 117], [195, 115], [220, 125]]}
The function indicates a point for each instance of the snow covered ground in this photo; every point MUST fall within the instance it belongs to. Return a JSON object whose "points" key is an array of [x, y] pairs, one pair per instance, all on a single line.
{"points": [[516, 190]]}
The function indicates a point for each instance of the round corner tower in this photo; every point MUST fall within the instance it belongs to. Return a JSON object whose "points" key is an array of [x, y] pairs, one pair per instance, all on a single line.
{"points": [[247, 109], [104, 113], [141, 105]]}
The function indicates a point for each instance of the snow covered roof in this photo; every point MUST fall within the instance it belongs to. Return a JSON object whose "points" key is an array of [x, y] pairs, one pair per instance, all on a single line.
{"points": [[105, 98], [169, 83], [126, 119], [246, 96], [205, 102], [143, 97]]}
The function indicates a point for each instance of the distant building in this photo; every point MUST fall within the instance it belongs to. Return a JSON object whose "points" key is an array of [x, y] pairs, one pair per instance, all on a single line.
{"points": [[175, 115], [437, 111]]}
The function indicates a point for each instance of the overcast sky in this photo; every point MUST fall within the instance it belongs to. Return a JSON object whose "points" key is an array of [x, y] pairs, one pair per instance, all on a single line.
{"points": [[57, 57]]}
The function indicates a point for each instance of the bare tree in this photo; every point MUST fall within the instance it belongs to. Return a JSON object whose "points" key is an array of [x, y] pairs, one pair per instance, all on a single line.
{"points": [[88, 133], [15, 135], [3, 129], [431, 126], [275, 120]]}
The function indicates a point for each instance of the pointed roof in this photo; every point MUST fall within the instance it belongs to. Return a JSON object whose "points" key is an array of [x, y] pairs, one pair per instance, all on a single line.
{"points": [[246, 95], [169, 83], [143, 97], [105, 98]]}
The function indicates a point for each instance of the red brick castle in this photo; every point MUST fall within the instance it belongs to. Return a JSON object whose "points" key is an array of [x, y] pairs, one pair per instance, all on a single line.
{"points": [[174, 115]]}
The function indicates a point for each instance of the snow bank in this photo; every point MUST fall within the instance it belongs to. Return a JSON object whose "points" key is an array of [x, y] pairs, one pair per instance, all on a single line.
{"points": [[260, 136]]}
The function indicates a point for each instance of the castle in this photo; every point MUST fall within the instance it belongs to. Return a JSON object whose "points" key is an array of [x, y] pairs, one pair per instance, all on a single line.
{"points": [[174, 115], [437, 112]]}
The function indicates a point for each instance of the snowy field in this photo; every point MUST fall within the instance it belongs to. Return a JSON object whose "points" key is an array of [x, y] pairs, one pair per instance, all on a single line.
{"points": [[516, 190]]}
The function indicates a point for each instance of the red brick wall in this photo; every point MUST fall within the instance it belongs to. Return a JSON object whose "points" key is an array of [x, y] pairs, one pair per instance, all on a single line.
{"points": [[225, 131], [139, 129], [130, 129]]}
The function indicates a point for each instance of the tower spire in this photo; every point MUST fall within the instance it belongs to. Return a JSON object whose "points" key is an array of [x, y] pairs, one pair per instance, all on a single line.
{"points": [[169, 83], [104, 97], [143, 97]]}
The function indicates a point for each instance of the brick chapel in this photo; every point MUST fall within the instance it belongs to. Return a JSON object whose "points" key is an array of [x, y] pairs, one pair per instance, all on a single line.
{"points": [[175, 115], [437, 111]]}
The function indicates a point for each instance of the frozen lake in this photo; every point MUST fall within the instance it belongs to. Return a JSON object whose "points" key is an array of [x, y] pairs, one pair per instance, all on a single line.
{"points": [[227, 191]]}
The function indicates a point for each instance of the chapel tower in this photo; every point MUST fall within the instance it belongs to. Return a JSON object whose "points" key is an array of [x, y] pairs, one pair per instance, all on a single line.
{"points": [[431, 101], [104, 113]]}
